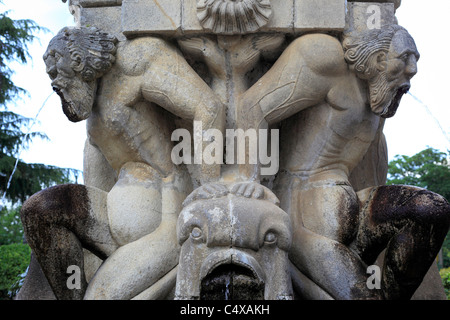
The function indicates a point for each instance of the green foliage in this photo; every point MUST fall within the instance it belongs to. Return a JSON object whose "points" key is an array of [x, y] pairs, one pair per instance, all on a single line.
{"points": [[15, 35], [445, 275], [11, 230], [14, 261], [29, 178], [446, 252], [427, 169], [11, 135]]}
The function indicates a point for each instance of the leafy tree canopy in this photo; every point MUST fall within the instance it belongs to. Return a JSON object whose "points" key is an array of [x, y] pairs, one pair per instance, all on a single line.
{"points": [[15, 35], [427, 169]]}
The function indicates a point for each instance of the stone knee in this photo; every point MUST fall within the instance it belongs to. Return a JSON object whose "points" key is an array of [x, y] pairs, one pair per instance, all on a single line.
{"points": [[63, 205], [388, 211], [397, 204], [52, 220], [411, 224]]}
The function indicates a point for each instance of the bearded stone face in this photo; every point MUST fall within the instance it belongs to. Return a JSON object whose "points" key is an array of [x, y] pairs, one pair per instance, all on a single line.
{"points": [[396, 68], [77, 95]]}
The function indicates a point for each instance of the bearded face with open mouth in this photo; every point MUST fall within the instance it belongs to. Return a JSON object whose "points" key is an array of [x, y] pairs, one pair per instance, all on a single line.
{"points": [[385, 97], [393, 80]]}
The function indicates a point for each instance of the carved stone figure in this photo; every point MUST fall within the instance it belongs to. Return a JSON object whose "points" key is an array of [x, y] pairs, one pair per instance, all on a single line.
{"points": [[315, 71], [221, 231], [131, 90], [341, 91], [124, 124]]}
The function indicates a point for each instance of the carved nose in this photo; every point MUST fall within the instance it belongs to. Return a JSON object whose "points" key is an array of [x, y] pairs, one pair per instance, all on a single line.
{"points": [[411, 68]]}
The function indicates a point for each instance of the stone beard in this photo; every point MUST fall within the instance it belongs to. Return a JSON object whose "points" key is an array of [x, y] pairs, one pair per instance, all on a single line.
{"points": [[385, 98], [77, 98], [74, 63], [368, 55]]}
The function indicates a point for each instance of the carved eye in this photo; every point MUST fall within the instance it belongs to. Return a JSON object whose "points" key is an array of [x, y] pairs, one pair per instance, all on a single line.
{"points": [[404, 57], [196, 233], [270, 238], [57, 56]]}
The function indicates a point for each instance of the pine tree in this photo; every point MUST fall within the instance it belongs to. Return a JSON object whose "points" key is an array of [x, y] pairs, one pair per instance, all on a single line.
{"points": [[15, 36]]}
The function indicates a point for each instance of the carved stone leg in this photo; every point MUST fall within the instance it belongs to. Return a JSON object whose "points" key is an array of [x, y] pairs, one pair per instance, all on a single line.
{"points": [[411, 223], [59, 222], [143, 209], [135, 267], [323, 217]]}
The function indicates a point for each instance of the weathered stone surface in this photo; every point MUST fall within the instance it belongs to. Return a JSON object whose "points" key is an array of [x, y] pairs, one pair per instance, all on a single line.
{"points": [[99, 3], [396, 3], [179, 17], [189, 19], [97, 172], [185, 17], [319, 15], [282, 19], [164, 222], [366, 15], [108, 23], [228, 234], [431, 287], [141, 186], [35, 286], [162, 17]]}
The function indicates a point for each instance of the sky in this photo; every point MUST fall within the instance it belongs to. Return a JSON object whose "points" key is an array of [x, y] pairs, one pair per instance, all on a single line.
{"points": [[423, 118]]}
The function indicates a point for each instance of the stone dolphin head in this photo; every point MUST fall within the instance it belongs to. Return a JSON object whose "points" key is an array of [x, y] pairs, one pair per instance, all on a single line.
{"points": [[233, 242]]}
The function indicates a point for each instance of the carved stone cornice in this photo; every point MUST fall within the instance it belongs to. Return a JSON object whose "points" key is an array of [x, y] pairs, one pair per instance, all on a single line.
{"points": [[95, 3]]}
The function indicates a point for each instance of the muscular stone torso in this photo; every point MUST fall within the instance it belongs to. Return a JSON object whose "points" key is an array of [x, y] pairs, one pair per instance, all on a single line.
{"points": [[123, 125], [326, 142]]}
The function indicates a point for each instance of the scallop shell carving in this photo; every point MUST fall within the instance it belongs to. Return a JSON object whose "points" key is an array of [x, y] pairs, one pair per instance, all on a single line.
{"points": [[233, 16]]}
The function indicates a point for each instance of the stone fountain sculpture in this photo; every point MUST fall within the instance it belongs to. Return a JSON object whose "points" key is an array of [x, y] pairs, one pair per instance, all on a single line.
{"points": [[176, 205]]}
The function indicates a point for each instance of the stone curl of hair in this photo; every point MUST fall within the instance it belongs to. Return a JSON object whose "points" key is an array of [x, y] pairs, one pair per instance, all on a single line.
{"points": [[360, 48], [92, 51]]}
